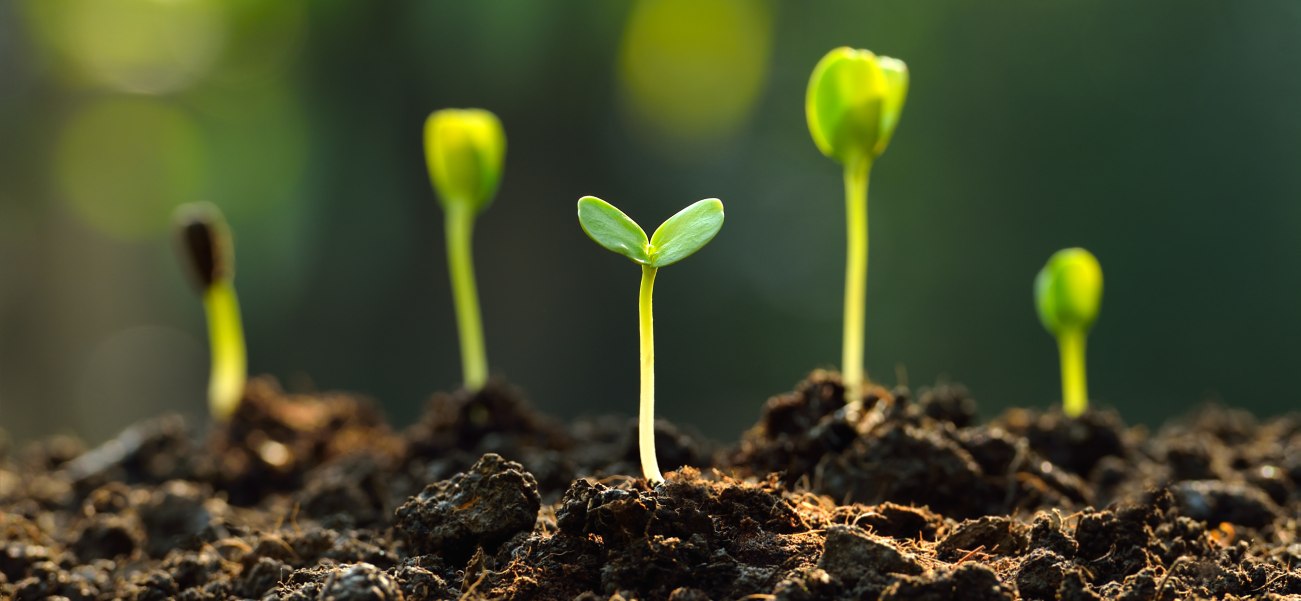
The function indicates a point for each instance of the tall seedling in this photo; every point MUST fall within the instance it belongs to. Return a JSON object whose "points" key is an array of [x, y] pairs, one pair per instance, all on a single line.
{"points": [[465, 149], [853, 105]]}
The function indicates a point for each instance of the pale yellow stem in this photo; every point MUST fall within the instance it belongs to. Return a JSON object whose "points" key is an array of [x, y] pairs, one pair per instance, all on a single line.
{"points": [[1075, 390], [646, 419], [851, 363], [226, 339], [465, 294]]}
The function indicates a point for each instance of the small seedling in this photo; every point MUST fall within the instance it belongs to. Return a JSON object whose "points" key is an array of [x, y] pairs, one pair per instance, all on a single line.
{"points": [[465, 149], [205, 246], [853, 105], [677, 238], [1067, 293]]}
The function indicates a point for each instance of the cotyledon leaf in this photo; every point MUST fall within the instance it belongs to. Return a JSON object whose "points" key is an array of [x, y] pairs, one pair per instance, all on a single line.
{"points": [[686, 232], [612, 229]]}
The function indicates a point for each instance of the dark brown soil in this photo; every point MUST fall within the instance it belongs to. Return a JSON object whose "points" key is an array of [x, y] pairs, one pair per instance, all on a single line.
{"points": [[316, 497]]}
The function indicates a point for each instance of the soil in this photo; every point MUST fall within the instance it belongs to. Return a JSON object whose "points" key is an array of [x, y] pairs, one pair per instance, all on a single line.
{"points": [[899, 497]]}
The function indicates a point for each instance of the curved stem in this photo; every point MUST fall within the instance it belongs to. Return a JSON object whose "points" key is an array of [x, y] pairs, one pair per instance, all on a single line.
{"points": [[646, 418], [226, 341], [851, 363], [465, 295], [1075, 393]]}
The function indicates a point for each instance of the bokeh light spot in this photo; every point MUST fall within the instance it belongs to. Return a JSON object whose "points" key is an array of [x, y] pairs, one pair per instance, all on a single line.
{"points": [[123, 164], [691, 70], [141, 46]]}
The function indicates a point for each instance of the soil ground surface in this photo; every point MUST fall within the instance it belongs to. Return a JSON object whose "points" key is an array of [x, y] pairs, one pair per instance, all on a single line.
{"points": [[903, 496]]}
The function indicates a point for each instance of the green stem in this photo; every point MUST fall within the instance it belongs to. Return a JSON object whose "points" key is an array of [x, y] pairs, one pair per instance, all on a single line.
{"points": [[646, 420], [465, 295], [1075, 393], [851, 363], [226, 339]]}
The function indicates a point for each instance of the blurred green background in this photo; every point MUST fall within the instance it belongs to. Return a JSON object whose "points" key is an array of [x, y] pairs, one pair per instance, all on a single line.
{"points": [[1164, 136]]}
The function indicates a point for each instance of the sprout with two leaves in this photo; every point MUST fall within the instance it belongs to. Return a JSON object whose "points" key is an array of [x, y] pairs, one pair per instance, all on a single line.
{"points": [[205, 247], [677, 238], [1068, 292], [853, 104], [465, 149]]}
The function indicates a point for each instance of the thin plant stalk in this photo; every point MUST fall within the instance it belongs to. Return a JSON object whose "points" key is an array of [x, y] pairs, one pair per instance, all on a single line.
{"points": [[465, 295], [646, 420], [1075, 393], [226, 338], [857, 173]]}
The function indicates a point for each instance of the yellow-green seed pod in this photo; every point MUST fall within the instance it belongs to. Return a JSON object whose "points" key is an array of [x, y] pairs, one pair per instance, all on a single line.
{"points": [[853, 104], [465, 149], [1068, 291], [204, 244]]}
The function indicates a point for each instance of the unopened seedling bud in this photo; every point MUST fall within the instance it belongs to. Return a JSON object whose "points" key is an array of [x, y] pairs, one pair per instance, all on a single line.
{"points": [[677, 238], [465, 149], [1068, 292], [853, 106], [206, 249], [853, 103]]}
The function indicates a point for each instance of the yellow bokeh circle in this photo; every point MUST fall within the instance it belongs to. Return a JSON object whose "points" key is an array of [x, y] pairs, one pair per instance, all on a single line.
{"points": [[122, 164], [692, 70]]}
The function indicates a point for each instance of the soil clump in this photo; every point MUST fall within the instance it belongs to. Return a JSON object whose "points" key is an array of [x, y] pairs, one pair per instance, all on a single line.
{"points": [[901, 496]]}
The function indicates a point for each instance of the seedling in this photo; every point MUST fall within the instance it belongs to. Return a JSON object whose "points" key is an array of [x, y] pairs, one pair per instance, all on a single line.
{"points": [[465, 149], [853, 105], [677, 238], [205, 246], [1067, 293]]}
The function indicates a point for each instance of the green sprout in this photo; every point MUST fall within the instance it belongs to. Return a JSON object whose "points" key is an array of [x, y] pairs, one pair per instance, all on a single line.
{"points": [[1068, 291], [853, 105], [677, 238], [465, 149], [205, 245]]}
